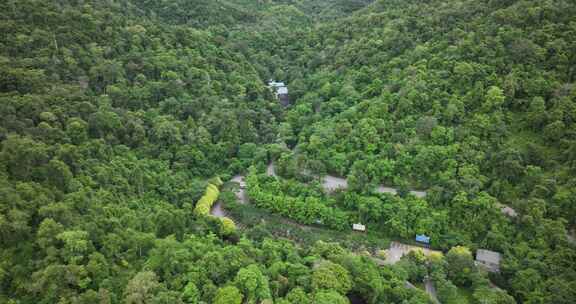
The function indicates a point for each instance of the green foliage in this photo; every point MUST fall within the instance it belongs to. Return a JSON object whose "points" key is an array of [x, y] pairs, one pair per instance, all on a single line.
{"points": [[228, 295], [253, 284], [204, 205], [115, 112], [330, 276], [460, 265], [327, 250], [414, 263], [191, 294], [327, 297], [297, 295], [491, 295], [304, 209], [228, 226], [142, 288]]}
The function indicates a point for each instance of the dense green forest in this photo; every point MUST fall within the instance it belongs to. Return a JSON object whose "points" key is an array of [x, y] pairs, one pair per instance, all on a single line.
{"points": [[124, 123]]}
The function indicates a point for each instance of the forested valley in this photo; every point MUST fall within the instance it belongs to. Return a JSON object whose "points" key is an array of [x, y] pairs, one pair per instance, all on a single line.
{"points": [[427, 153]]}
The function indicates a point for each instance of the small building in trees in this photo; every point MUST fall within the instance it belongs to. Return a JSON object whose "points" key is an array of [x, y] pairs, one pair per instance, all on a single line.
{"points": [[280, 91], [507, 210], [488, 259], [358, 227], [422, 238]]}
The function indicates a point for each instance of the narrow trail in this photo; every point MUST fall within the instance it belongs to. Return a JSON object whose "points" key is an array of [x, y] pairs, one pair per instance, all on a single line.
{"points": [[217, 210], [241, 194], [571, 236], [431, 290], [271, 170]]}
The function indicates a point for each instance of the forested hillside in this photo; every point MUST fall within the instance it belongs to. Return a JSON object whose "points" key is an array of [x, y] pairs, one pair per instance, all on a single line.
{"points": [[120, 120], [473, 100]]}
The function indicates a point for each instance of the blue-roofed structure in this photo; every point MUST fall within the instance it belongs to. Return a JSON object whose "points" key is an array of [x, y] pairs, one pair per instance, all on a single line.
{"points": [[421, 238]]}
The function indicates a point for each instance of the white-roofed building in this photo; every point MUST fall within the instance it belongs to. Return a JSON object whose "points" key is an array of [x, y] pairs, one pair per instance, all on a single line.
{"points": [[280, 90], [358, 227], [488, 259]]}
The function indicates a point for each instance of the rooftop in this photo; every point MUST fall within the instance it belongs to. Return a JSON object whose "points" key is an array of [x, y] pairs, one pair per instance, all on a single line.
{"points": [[488, 256], [508, 211], [358, 227], [276, 84]]}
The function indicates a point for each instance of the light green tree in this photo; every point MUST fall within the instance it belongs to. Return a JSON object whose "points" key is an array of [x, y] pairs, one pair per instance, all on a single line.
{"points": [[228, 295]]}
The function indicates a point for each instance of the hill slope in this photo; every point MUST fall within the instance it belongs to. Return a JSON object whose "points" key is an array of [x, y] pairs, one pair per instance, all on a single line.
{"points": [[472, 100], [117, 114]]}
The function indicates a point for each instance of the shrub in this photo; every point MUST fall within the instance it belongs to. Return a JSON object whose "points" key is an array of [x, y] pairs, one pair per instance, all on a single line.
{"points": [[228, 227]]}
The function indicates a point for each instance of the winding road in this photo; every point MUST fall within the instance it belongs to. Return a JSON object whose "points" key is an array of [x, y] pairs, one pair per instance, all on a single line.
{"points": [[218, 210], [332, 183]]}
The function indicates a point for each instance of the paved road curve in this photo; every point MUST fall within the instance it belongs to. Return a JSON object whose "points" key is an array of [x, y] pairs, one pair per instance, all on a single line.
{"points": [[332, 183]]}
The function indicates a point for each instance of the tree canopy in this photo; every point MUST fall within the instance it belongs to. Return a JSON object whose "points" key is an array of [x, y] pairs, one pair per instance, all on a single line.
{"points": [[124, 122]]}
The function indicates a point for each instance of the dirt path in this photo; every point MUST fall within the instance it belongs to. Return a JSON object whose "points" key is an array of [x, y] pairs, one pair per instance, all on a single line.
{"points": [[217, 210], [384, 189], [332, 183], [241, 192], [271, 170], [431, 290], [571, 236]]}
